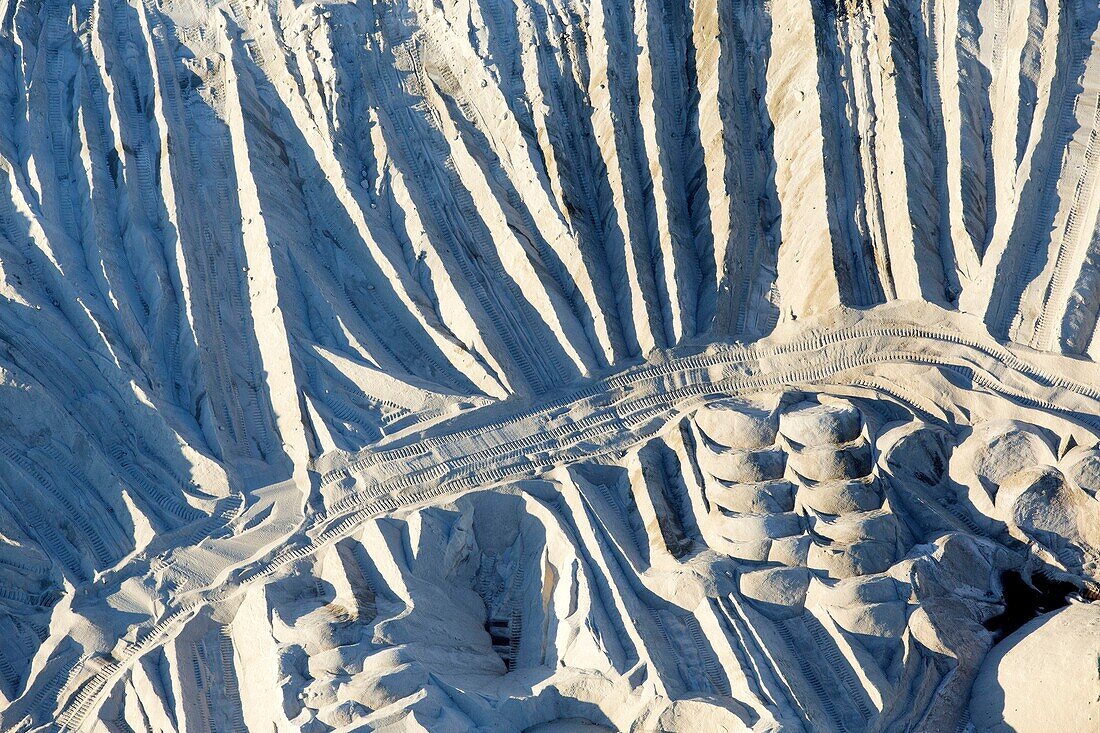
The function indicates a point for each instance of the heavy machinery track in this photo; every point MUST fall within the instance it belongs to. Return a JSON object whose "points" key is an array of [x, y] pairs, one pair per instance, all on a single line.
{"points": [[604, 418]]}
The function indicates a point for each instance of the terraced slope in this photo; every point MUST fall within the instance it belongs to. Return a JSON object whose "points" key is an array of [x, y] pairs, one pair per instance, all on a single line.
{"points": [[298, 297]]}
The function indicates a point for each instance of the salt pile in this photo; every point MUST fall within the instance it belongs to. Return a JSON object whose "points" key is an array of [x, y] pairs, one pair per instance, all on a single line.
{"points": [[549, 366]]}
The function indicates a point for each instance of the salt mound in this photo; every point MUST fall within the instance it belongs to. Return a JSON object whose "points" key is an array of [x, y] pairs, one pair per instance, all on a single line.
{"points": [[760, 497], [1043, 677], [743, 467], [738, 425], [778, 592], [841, 496], [829, 463], [812, 424], [463, 365]]}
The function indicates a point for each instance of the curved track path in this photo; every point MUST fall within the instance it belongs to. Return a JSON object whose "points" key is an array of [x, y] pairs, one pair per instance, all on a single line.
{"points": [[214, 560]]}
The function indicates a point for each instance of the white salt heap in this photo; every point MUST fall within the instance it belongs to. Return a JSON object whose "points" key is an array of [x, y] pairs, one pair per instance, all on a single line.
{"points": [[553, 366]]}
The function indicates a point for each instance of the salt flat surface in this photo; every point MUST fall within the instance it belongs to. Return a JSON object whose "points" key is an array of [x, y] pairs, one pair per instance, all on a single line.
{"points": [[549, 366]]}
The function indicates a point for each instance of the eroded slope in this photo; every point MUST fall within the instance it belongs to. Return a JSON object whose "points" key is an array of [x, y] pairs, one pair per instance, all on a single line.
{"points": [[245, 246]]}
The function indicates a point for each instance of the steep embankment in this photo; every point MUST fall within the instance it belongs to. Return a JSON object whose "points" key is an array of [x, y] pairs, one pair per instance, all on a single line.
{"points": [[238, 237]]}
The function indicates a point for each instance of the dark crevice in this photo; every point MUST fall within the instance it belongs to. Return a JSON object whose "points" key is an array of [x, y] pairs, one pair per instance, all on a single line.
{"points": [[1025, 600]]}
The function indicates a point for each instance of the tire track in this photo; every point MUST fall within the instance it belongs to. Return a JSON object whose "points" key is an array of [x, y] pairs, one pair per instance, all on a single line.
{"points": [[609, 427]]}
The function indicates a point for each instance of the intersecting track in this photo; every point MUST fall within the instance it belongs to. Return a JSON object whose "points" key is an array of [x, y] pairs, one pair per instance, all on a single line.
{"points": [[491, 445]]}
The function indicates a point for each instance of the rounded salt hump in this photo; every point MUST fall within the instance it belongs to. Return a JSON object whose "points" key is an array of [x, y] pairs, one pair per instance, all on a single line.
{"points": [[574, 725], [847, 561], [777, 592], [743, 466], [1043, 677], [762, 497], [813, 424], [737, 425], [753, 527], [1086, 472], [829, 464], [842, 497]]}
